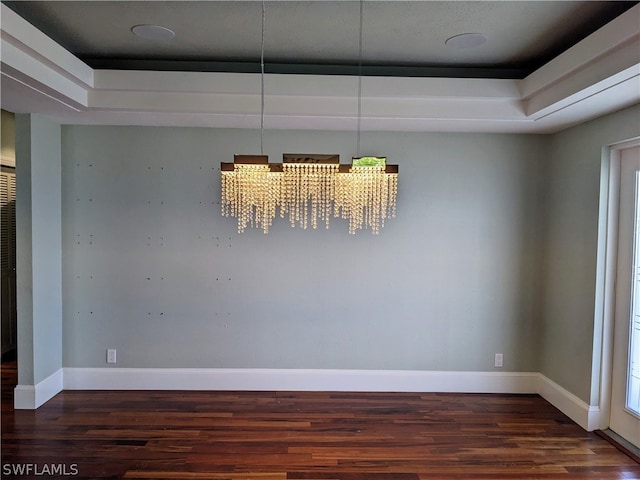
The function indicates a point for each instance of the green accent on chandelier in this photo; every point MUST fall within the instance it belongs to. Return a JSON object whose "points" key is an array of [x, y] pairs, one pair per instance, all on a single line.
{"points": [[369, 161]]}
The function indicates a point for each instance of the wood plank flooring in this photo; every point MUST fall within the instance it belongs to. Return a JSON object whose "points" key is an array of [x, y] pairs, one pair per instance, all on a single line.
{"points": [[304, 436]]}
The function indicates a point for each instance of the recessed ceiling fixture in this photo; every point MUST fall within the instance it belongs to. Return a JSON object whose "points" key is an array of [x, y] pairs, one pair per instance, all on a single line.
{"points": [[466, 40], [153, 32]]}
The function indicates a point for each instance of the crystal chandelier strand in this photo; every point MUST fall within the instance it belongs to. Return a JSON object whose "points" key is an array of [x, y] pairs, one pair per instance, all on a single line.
{"points": [[309, 193]]}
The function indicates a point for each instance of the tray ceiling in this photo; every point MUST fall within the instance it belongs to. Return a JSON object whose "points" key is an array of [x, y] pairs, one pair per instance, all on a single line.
{"points": [[545, 65], [401, 38]]}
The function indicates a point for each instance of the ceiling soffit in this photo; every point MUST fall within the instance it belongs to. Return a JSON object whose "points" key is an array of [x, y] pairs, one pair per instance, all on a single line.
{"points": [[598, 75]]}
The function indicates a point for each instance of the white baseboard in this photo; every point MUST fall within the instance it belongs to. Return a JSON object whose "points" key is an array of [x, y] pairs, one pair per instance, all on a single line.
{"points": [[30, 397], [585, 415], [297, 379]]}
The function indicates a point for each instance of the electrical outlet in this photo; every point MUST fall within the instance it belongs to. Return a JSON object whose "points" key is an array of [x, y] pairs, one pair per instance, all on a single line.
{"points": [[111, 355], [499, 360]]}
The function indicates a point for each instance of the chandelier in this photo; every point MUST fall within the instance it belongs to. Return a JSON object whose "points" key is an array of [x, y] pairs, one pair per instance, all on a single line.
{"points": [[309, 189]]}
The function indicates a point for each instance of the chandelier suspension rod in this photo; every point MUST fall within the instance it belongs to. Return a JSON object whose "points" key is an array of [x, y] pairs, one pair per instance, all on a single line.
{"points": [[262, 81], [359, 79]]}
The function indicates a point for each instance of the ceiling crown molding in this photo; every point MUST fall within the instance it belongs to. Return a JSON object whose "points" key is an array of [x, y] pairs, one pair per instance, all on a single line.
{"points": [[606, 58], [598, 75]]}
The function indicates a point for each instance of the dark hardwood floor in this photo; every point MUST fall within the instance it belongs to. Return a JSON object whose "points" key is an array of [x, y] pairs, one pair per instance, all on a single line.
{"points": [[301, 435]]}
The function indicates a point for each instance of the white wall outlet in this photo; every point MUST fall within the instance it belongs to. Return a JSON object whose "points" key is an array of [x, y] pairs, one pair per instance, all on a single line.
{"points": [[499, 360], [111, 355]]}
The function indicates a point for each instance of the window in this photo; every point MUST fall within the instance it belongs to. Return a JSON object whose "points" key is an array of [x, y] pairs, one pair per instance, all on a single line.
{"points": [[633, 372]]}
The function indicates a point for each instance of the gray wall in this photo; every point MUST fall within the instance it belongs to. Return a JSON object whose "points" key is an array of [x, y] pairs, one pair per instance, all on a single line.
{"points": [[39, 248], [152, 269], [571, 226]]}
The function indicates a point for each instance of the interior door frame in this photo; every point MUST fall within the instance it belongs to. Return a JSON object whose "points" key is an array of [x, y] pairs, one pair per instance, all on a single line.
{"points": [[606, 277]]}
